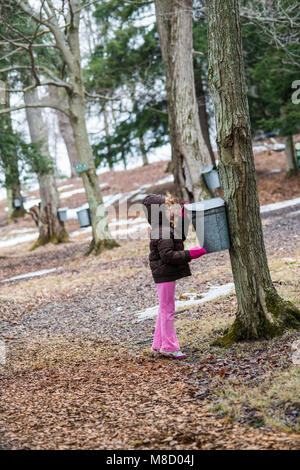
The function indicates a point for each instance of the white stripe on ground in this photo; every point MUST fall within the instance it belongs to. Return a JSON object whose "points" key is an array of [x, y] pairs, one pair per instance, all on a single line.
{"points": [[16, 240], [279, 205], [42, 272], [213, 293]]}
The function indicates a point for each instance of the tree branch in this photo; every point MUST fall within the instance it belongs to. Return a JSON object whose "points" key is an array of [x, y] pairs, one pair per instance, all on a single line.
{"points": [[37, 105]]}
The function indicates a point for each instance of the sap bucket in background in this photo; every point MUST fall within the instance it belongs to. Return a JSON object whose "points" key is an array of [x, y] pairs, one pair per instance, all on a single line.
{"points": [[212, 229], [211, 177], [84, 217], [62, 214], [17, 203]]}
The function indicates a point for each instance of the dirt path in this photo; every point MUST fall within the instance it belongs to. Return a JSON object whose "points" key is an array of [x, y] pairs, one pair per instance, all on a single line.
{"points": [[79, 374]]}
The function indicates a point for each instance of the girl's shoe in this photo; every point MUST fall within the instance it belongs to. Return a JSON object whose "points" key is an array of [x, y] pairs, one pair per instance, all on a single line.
{"points": [[173, 354]]}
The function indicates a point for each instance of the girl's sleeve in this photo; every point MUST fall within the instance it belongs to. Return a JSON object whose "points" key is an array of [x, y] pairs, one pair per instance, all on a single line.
{"points": [[169, 255]]}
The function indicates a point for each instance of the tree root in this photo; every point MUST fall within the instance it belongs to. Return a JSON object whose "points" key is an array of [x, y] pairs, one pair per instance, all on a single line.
{"points": [[285, 315], [62, 237], [17, 213], [102, 245]]}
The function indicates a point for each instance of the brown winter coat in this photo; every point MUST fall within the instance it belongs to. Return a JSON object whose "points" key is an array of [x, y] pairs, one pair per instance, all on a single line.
{"points": [[168, 258]]}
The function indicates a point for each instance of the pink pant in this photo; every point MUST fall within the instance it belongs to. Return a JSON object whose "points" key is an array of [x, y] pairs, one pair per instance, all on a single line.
{"points": [[165, 335]]}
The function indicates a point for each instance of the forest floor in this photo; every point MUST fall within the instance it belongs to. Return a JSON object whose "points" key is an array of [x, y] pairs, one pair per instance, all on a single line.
{"points": [[79, 372]]}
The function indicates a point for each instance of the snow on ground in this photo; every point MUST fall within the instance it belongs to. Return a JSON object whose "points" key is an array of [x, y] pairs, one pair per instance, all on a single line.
{"points": [[17, 240], [42, 272], [279, 205], [66, 194], [192, 299], [22, 230], [66, 186]]}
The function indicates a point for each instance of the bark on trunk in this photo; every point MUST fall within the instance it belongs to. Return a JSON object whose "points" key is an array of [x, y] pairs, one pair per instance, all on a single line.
{"points": [[102, 238], [189, 150], [290, 157], [65, 129], [51, 229], [11, 171], [261, 312], [143, 151], [203, 116]]}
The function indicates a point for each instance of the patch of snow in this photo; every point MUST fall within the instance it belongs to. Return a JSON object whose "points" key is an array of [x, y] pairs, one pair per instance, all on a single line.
{"points": [[213, 293], [259, 148], [279, 205], [167, 179], [16, 240], [137, 220], [277, 147], [139, 197], [275, 170], [66, 186], [72, 213], [23, 230], [31, 203], [80, 232], [2, 194], [67, 194], [135, 228], [31, 274]]}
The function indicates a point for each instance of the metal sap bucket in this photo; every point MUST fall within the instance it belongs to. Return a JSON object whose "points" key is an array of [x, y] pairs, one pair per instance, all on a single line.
{"points": [[84, 217], [17, 203], [212, 230], [62, 214], [211, 177]]}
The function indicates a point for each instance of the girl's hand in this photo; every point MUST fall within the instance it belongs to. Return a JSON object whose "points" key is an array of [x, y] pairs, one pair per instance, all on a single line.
{"points": [[197, 251], [182, 209]]}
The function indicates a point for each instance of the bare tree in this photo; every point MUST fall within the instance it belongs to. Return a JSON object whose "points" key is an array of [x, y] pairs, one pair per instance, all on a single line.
{"points": [[61, 28], [65, 128], [189, 150], [10, 166], [262, 313], [279, 21], [51, 229]]}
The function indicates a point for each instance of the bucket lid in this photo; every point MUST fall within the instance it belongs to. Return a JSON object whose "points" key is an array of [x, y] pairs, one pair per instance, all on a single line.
{"points": [[208, 169], [205, 205]]}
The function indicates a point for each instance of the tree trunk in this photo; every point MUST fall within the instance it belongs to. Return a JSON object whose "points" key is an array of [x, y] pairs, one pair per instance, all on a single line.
{"points": [[261, 312], [11, 171], [102, 238], [290, 157], [203, 116], [65, 129], [189, 150], [143, 151], [107, 135], [51, 229]]}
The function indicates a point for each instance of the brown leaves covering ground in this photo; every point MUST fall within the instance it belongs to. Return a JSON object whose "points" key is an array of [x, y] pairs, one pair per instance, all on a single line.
{"points": [[79, 373], [100, 398]]}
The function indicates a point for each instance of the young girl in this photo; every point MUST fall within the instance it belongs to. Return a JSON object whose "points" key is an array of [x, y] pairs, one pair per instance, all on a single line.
{"points": [[169, 261]]}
